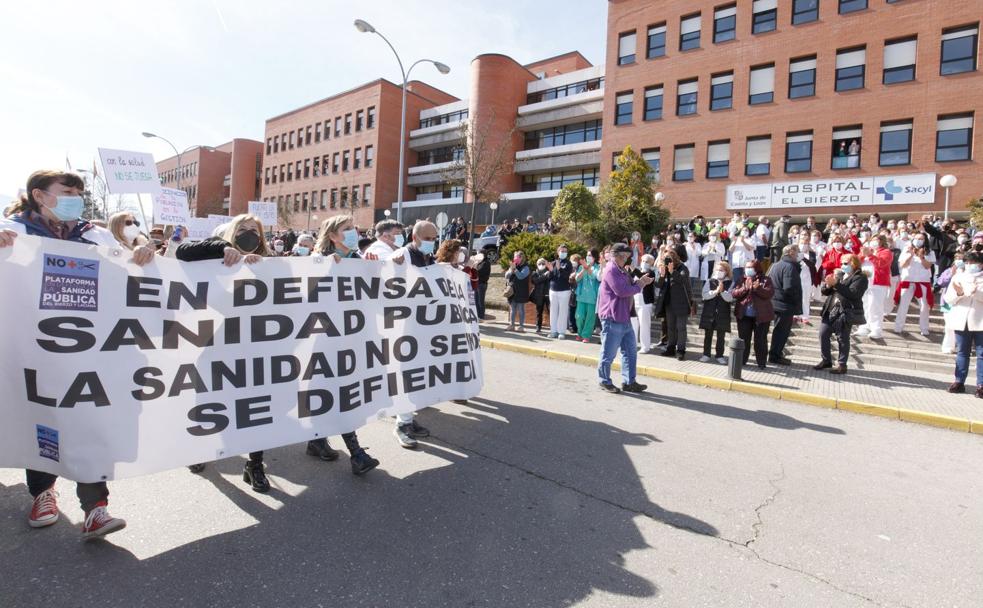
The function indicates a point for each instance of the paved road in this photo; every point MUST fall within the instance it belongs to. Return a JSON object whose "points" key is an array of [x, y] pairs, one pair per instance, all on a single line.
{"points": [[545, 493]]}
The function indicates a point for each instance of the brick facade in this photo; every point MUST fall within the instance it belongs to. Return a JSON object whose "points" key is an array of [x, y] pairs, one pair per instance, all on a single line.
{"points": [[922, 100], [382, 100]]}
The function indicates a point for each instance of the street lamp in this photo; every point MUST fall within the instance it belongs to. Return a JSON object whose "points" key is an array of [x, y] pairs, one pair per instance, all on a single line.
{"points": [[659, 197], [366, 28], [947, 181], [387, 213], [493, 206], [176, 153]]}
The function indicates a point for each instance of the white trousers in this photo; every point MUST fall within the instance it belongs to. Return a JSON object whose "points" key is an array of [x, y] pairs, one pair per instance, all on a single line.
{"points": [[902, 315], [806, 278], [874, 308], [643, 327], [889, 299], [559, 312]]}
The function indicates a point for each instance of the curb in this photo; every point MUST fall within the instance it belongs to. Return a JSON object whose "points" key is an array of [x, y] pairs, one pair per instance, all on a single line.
{"points": [[749, 388]]}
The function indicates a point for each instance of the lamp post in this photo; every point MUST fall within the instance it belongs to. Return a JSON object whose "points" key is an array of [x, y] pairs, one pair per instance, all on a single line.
{"points": [[659, 197], [176, 153], [947, 182], [366, 28], [309, 218], [493, 206], [387, 213]]}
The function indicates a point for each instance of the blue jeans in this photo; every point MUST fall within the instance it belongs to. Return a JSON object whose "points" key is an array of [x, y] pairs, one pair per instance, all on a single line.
{"points": [[615, 335], [964, 341], [517, 314]]}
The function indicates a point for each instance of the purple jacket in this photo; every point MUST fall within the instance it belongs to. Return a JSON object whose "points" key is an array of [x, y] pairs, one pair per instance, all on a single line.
{"points": [[617, 291]]}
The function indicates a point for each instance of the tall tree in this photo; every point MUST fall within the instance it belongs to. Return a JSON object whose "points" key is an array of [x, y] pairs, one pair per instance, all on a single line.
{"points": [[627, 201]]}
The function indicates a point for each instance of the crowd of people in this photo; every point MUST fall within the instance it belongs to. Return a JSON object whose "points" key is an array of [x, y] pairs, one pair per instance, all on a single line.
{"points": [[752, 274], [759, 276], [52, 207]]}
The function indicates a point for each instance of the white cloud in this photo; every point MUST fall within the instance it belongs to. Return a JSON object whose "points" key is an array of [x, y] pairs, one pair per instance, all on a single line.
{"points": [[206, 72]]}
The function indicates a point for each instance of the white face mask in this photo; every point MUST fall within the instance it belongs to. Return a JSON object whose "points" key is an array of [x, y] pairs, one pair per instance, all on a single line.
{"points": [[646, 267], [719, 275], [837, 246], [130, 233], [461, 257], [541, 266], [713, 239]]}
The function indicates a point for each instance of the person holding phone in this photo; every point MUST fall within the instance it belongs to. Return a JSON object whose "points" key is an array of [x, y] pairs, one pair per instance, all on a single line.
{"points": [[915, 263], [517, 278], [618, 289]]}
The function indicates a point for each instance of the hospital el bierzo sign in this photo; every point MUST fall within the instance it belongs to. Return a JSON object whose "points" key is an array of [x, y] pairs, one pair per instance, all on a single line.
{"points": [[821, 193]]}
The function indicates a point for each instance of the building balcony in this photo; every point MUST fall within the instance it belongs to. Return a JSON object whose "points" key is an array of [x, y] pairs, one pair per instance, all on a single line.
{"points": [[425, 175], [559, 158], [436, 136], [588, 105]]}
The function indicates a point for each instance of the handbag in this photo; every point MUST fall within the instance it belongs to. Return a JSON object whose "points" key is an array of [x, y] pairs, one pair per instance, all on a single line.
{"points": [[509, 291]]}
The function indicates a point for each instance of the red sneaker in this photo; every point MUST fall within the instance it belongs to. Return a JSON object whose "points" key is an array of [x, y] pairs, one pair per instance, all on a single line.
{"points": [[98, 523], [44, 512]]}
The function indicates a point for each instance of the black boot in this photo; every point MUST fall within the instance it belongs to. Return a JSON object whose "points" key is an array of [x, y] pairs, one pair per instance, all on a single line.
{"points": [[255, 476], [362, 463], [319, 448]]}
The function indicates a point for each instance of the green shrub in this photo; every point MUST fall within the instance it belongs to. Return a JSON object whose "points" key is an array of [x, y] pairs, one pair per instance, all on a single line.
{"points": [[537, 246]]}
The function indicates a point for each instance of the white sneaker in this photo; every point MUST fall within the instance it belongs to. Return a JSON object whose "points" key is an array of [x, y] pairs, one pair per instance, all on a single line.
{"points": [[862, 332], [722, 360], [560, 337], [876, 335], [704, 359]]}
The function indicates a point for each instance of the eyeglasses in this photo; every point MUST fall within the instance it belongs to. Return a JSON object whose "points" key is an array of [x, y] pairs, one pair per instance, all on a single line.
{"points": [[132, 223]]}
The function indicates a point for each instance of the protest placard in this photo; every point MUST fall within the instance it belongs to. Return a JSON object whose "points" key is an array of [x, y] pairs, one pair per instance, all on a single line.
{"points": [[199, 228], [128, 172], [266, 212], [171, 207]]}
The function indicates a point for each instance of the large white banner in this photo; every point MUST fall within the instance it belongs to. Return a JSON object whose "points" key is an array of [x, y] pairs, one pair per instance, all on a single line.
{"points": [[911, 189], [129, 172], [110, 370]]}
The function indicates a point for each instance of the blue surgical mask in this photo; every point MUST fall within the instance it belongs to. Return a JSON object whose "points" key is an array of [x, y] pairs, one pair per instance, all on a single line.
{"points": [[302, 250], [562, 255], [400, 240], [351, 238], [960, 263], [427, 247], [68, 208], [847, 268], [750, 272], [973, 268]]}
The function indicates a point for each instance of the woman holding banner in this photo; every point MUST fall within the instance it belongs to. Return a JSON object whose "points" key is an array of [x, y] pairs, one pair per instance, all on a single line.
{"points": [[51, 207], [339, 237], [242, 241]]}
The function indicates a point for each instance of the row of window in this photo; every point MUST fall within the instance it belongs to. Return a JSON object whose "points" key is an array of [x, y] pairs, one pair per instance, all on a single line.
{"points": [[312, 134], [953, 142], [445, 154], [850, 74], [444, 119], [566, 90], [443, 190], [565, 134], [314, 167], [764, 18], [555, 181], [334, 198], [187, 171]]}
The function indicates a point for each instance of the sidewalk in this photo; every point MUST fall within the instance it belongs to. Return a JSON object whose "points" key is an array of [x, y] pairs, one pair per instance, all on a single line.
{"points": [[915, 396]]}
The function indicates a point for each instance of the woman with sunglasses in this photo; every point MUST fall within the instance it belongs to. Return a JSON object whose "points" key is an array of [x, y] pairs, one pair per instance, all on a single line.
{"points": [[126, 230]]}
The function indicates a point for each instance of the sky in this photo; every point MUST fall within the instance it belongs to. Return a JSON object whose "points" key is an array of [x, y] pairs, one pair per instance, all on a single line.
{"points": [[78, 76]]}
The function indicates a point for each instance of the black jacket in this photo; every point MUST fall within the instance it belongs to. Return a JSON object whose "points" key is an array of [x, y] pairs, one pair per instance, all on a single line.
{"points": [[716, 311], [785, 276], [484, 270], [560, 275], [540, 286], [520, 287], [418, 258], [846, 296], [674, 293], [648, 292], [196, 251]]}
